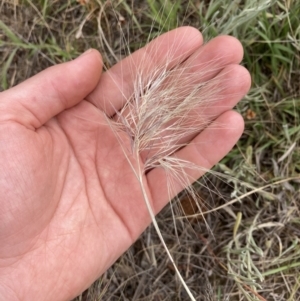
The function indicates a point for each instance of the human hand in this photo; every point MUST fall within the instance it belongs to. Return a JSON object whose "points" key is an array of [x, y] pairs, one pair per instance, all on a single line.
{"points": [[70, 204]]}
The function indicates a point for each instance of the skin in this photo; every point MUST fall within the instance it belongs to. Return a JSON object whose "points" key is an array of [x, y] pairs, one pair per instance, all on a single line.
{"points": [[69, 202]]}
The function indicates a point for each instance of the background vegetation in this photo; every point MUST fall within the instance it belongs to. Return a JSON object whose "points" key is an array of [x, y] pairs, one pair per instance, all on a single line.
{"points": [[249, 247]]}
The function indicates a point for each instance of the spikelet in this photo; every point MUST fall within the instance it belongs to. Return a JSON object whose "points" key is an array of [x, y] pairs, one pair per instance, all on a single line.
{"points": [[165, 107]]}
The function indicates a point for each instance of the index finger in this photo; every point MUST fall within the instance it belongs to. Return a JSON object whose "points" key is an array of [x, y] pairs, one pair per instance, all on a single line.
{"points": [[118, 83]]}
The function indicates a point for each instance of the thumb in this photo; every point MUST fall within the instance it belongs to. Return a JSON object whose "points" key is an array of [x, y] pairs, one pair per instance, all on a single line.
{"points": [[36, 100]]}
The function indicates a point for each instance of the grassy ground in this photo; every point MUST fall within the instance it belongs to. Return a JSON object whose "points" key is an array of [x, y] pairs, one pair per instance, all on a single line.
{"points": [[251, 249]]}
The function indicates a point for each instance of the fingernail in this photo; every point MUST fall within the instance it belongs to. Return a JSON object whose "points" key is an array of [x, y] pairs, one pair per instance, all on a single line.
{"points": [[86, 52]]}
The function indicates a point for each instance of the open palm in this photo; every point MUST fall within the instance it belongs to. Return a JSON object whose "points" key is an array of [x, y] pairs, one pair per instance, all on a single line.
{"points": [[69, 202]]}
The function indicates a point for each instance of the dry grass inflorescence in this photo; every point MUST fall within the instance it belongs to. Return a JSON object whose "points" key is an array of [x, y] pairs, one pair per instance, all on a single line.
{"points": [[239, 239]]}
